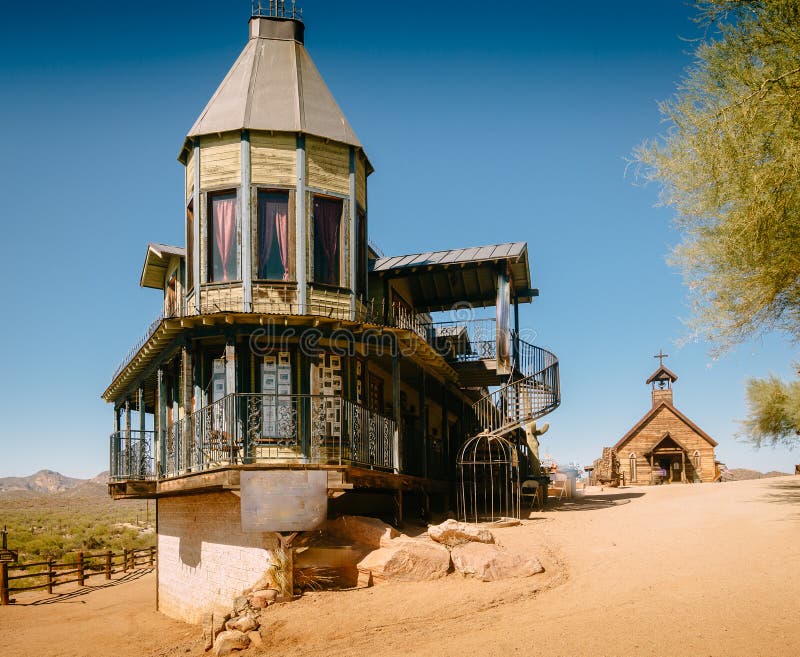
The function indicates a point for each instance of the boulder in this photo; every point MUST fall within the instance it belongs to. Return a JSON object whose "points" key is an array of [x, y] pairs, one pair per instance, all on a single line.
{"points": [[263, 598], [405, 560], [370, 532], [230, 640], [452, 533], [240, 605], [244, 624], [255, 639], [490, 563]]}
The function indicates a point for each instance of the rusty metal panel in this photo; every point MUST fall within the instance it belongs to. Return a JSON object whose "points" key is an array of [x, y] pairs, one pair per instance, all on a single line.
{"points": [[283, 500]]}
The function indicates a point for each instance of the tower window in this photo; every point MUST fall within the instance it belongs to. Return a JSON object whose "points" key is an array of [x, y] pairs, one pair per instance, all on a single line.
{"points": [[273, 236], [222, 252], [632, 466], [696, 461], [327, 239]]}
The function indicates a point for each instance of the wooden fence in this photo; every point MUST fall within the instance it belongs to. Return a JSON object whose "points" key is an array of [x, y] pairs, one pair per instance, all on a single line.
{"points": [[51, 574]]}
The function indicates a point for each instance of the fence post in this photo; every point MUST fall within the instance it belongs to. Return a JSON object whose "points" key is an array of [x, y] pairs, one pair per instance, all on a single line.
{"points": [[108, 564], [124, 560], [4, 584], [152, 555], [80, 569], [50, 576]]}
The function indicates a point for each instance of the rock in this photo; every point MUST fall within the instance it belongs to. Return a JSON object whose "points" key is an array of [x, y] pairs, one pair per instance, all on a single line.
{"points": [[490, 563], [405, 560], [255, 639], [270, 595], [230, 640], [240, 605], [362, 530], [208, 630], [244, 624], [218, 624], [452, 533]]}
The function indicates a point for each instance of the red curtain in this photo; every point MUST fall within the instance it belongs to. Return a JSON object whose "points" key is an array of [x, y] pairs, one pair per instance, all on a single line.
{"points": [[327, 221], [223, 213]]}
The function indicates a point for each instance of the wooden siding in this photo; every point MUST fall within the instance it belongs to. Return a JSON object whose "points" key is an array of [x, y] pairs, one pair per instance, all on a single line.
{"points": [[190, 176], [320, 299], [273, 159], [361, 181], [221, 298], [328, 166], [641, 442], [220, 161], [278, 299]]}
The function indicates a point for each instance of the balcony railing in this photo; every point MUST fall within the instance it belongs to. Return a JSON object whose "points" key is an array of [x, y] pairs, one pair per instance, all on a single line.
{"points": [[131, 455], [465, 341], [257, 428]]}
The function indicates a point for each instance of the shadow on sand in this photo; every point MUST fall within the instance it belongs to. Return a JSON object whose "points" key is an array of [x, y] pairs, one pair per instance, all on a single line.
{"points": [[784, 492], [72, 596], [590, 502]]}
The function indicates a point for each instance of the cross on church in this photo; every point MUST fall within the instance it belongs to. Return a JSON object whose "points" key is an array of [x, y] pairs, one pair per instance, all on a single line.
{"points": [[661, 356]]}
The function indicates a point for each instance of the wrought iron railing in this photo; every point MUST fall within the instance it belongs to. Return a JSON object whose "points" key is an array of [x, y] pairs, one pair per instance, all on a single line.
{"points": [[131, 455], [258, 428], [533, 390], [465, 341]]}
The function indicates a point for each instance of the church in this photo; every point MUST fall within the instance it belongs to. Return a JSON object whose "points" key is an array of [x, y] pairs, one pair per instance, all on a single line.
{"points": [[665, 446]]}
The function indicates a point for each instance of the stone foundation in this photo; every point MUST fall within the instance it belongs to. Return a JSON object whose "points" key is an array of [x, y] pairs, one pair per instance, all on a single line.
{"points": [[204, 558]]}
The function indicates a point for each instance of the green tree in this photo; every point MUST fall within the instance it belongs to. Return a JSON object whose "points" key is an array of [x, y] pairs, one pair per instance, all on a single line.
{"points": [[729, 165]]}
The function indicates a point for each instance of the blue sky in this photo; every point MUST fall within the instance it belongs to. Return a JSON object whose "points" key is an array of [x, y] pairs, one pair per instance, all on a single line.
{"points": [[483, 126]]}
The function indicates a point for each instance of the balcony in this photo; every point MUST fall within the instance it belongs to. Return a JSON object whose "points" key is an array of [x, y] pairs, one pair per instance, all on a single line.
{"points": [[245, 429]]}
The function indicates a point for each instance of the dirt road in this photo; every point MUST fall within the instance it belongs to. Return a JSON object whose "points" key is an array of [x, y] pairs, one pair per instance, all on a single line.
{"points": [[682, 570]]}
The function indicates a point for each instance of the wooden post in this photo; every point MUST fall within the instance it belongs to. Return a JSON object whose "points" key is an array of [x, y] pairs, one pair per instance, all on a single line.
{"points": [[50, 577], [125, 560], [152, 555], [396, 448], [244, 225], [301, 223], [108, 564], [127, 472], [423, 421], [81, 574], [4, 597], [141, 454]]}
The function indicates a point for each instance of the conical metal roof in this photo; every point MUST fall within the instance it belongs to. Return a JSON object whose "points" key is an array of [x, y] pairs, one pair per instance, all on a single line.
{"points": [[274, 85]]}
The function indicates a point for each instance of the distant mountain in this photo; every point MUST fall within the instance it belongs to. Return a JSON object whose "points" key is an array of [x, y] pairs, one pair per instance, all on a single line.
{"points": [[741, 474], [47, 481]]}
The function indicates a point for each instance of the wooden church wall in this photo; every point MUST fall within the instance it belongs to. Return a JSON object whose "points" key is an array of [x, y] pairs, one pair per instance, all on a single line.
{"points": [[665, 421]]}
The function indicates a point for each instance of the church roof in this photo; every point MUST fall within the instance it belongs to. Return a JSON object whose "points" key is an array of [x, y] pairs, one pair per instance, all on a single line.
{"points": [[274, 85], [663, 373], [652, 413]]}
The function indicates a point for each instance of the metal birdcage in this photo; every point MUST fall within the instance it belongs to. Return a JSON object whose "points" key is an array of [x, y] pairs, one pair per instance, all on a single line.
{"points": [[488, 479]]}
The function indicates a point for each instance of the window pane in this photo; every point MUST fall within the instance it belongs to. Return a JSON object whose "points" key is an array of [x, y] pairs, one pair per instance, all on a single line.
{"points": [[327, 223], [273, 236], [222, 238]]}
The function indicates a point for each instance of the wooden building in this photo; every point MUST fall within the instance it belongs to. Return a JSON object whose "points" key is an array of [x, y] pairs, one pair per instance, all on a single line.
{"points": [[293, 371], [665, 446]]}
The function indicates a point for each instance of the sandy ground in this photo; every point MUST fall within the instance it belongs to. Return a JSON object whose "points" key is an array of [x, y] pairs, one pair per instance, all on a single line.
{"points": [[681, 570]]}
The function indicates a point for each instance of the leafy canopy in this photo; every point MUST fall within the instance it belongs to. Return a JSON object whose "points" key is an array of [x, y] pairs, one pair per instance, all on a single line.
{"points": [[730, 167]]}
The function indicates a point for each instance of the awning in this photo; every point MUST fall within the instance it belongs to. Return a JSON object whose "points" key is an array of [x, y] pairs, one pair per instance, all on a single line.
{"points": [[437, 280], [156, 262]]}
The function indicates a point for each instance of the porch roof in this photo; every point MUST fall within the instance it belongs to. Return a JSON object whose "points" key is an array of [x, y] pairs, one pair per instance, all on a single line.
{"points": [[439, 279]]}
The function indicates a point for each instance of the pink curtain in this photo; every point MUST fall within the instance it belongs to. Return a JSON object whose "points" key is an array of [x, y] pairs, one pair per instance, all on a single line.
{"points": [[327, 220], [282, 225], [224, 234], [273, 226]]}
